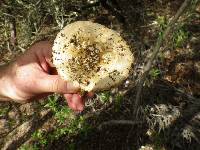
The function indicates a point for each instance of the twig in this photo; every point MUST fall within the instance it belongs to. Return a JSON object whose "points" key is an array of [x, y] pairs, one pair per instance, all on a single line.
{"points": [[13, 32], [23, 132], [179, 91], [90, 5], [156, 50], [117, 122]]}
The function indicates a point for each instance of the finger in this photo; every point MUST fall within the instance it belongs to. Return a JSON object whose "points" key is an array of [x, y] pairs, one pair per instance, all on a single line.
{"points": [[37, 97], [90, 94], [46, 50], [43, 51], [53, 71], [78, 101], [68, 98], [75, 101], [53, 83], [41, 96]]}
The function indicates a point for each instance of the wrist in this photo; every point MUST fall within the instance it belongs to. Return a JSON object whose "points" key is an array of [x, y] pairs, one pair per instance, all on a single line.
{"points": [[3, 84], [7, 88]]}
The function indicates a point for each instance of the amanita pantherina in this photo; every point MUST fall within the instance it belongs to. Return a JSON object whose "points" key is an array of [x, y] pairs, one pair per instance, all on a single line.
{"points": [[92, 56]]}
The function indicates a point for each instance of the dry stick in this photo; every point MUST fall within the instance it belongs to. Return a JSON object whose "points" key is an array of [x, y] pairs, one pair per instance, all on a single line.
{"points": [[119, 122], [13, 32], [23, 132], [159, 42]]}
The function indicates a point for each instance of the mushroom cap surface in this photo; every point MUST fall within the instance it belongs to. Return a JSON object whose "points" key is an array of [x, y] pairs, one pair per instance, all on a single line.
{"points": [[92, 56]]}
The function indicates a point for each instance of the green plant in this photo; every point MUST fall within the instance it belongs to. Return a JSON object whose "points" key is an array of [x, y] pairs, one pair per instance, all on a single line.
{"points": [[158, 140], [162, 23], [104, 96], [69, 124], [28, 147], [4, 111], [11, 122], [118, 101], [40, 137], [62, 113], [52, 102], [180, 37], [76, 125], [71, 146], [154, 73], [32, 18]]}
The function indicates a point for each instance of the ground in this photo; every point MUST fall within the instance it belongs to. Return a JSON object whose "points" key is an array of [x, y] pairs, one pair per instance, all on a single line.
{"points": [[168, 116]]}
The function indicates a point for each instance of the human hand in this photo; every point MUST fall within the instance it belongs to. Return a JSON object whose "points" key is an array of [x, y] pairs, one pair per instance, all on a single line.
{"points": [[30, 77]]}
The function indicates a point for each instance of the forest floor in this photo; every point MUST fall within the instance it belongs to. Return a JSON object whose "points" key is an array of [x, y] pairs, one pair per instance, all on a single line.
{"points": [[169, 114]]}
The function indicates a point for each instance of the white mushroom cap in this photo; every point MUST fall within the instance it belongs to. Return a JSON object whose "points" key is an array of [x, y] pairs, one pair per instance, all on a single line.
{"points": [[92, 56]]}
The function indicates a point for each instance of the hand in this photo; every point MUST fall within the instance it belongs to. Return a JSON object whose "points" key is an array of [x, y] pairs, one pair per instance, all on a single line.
{"points": [[30, 77]]}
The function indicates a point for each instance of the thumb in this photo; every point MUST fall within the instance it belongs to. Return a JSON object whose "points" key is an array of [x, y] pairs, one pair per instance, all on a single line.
{"points": [[53, 83]]}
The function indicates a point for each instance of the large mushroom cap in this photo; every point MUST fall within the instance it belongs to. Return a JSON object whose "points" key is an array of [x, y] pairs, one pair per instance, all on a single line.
{"points": [[91, 55]]}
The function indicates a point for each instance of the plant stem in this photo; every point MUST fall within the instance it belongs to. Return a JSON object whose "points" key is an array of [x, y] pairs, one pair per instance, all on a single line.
{"points": [[158, 44]]}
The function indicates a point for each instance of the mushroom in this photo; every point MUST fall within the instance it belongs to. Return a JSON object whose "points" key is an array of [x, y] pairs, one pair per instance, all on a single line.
{"points": [[92, 56]]}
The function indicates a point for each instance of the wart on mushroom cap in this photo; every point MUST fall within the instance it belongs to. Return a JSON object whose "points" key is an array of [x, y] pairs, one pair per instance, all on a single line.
{"points": [[91, 55]]}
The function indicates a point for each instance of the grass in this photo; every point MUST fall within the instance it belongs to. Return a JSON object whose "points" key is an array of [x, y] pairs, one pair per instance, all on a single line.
{"points": [[40, 137], [158, 141], [162, 22], [68, 124], [34, 20], [180, 37], [118, 99], [4, 111], [104, 97], [64, 116], [28, 147], [154, 73]]}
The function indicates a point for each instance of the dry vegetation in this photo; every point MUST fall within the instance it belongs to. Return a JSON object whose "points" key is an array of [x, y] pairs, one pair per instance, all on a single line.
{"points": [[167, 113]]}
